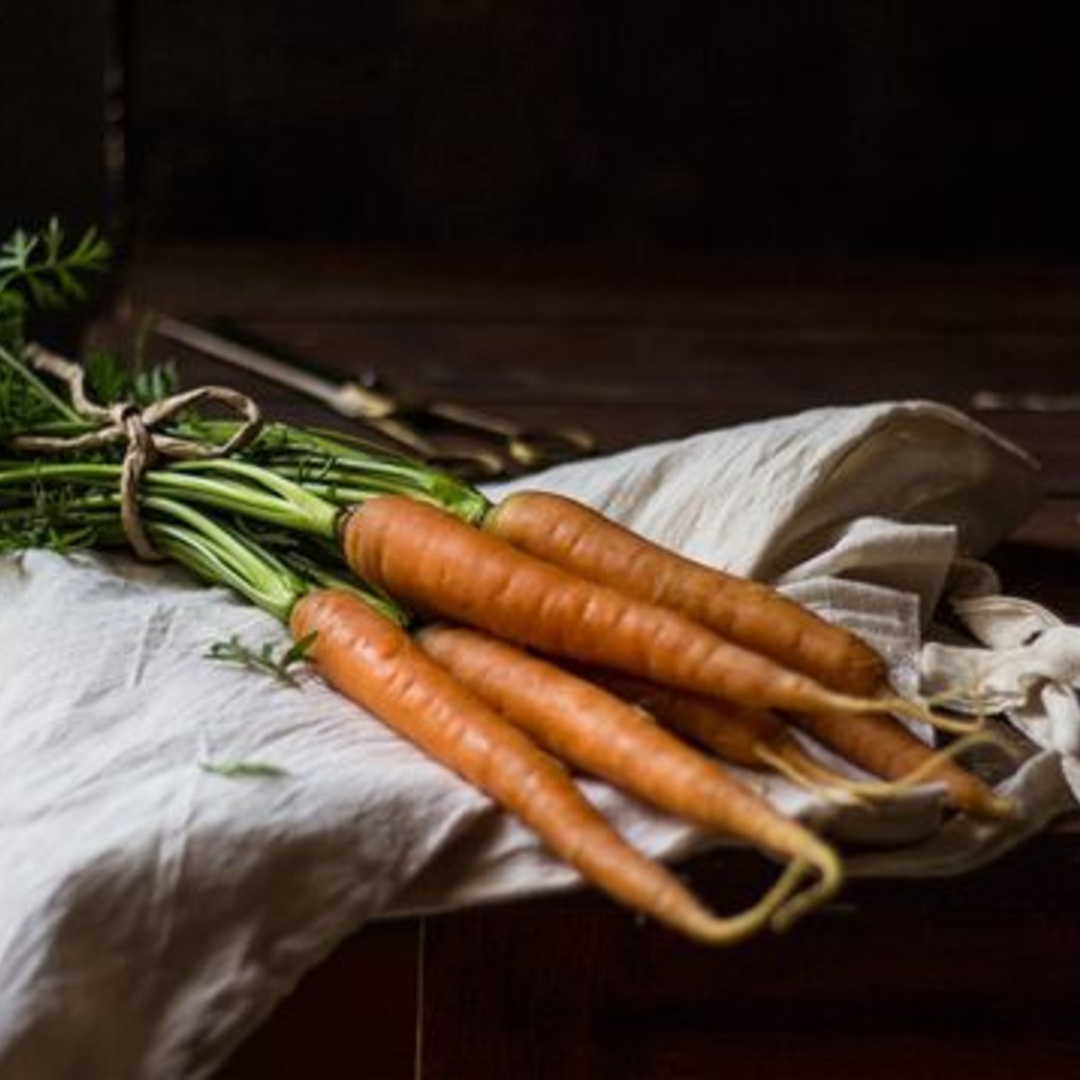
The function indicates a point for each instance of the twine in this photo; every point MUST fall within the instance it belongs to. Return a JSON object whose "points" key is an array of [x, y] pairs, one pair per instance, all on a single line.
{"points": [[126, 422]]}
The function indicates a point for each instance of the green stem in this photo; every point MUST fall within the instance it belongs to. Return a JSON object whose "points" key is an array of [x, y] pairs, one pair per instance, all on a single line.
{"points": [[265, 497], [312, 457], [261, 492], [220, 555], [37, 387], [274, 581]]}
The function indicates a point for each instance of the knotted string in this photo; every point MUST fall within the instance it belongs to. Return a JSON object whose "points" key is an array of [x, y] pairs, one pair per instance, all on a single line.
{"points": [[125, 421]]}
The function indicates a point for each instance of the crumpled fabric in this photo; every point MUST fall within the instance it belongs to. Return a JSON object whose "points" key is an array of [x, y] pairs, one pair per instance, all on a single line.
{"points": [[1024, 661], [182, 839]]}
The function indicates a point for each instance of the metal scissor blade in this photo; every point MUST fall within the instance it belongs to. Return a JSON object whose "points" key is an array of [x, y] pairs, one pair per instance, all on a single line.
{"points": [[404, 422], [376, 409], [347, 398]]}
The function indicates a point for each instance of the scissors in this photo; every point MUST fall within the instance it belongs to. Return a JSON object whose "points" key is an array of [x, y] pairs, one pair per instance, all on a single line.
{"points": [[404, 421]]}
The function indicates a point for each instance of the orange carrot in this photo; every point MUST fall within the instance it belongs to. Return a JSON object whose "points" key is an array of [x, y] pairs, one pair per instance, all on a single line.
{"points": [[760, 739], [376, 663], [736, 733], [752, 738], [885, 747], [571, 535], [438, 565], [593, 730]]}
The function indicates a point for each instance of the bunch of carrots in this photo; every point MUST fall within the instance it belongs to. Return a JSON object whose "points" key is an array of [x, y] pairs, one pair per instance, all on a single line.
{"points": [[518, 643]]}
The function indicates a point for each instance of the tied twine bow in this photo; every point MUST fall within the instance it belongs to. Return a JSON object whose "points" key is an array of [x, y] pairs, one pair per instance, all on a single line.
{"points": [[126, 422]]}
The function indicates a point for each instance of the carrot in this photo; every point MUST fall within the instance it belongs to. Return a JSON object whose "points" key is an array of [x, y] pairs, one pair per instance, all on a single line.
{"points": [[593, 730], [375, 662], [439, 565], [751, 738], [574, 536], [883, 746], [760, 739]]}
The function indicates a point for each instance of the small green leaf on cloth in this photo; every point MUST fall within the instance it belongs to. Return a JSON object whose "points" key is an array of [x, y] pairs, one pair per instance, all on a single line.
{"points": [[266, 658], [243, 770]]}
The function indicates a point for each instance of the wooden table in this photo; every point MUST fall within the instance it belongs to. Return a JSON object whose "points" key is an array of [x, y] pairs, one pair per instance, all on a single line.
{"points": [[894, 979]]}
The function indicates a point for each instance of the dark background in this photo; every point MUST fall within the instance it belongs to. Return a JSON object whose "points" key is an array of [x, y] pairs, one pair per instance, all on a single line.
{"points": [[838, 128]]}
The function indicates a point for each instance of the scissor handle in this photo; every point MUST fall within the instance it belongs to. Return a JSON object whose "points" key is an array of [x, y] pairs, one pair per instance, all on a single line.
{"points": [[530, 447], [481, 463], [473, 466], [536, 447]]}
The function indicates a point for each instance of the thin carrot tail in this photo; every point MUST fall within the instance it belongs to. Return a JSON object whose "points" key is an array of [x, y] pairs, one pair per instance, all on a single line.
{"points": [[819, 780], [922, 773], [828, 783], [883, 746], [711, 929], [910, 708], [1000, 807], [831, 875]]}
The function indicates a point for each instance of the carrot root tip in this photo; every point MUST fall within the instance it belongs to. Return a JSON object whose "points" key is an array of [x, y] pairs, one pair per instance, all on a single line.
{"points": [[923, 710], [1001, 808], [730, 930], [830, 880], [825, 784]]}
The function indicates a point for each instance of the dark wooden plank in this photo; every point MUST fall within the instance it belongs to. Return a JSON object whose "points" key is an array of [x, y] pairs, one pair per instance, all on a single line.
{"points": [[896, 980], [674, 381], [354, 1014], [647, 285]]}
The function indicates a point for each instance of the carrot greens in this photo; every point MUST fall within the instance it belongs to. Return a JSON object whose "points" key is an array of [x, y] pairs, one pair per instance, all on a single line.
{"points": [[269, 659]]}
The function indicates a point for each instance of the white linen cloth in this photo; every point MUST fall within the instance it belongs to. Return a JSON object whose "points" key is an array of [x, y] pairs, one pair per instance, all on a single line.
{"points": [[154, 908]]}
